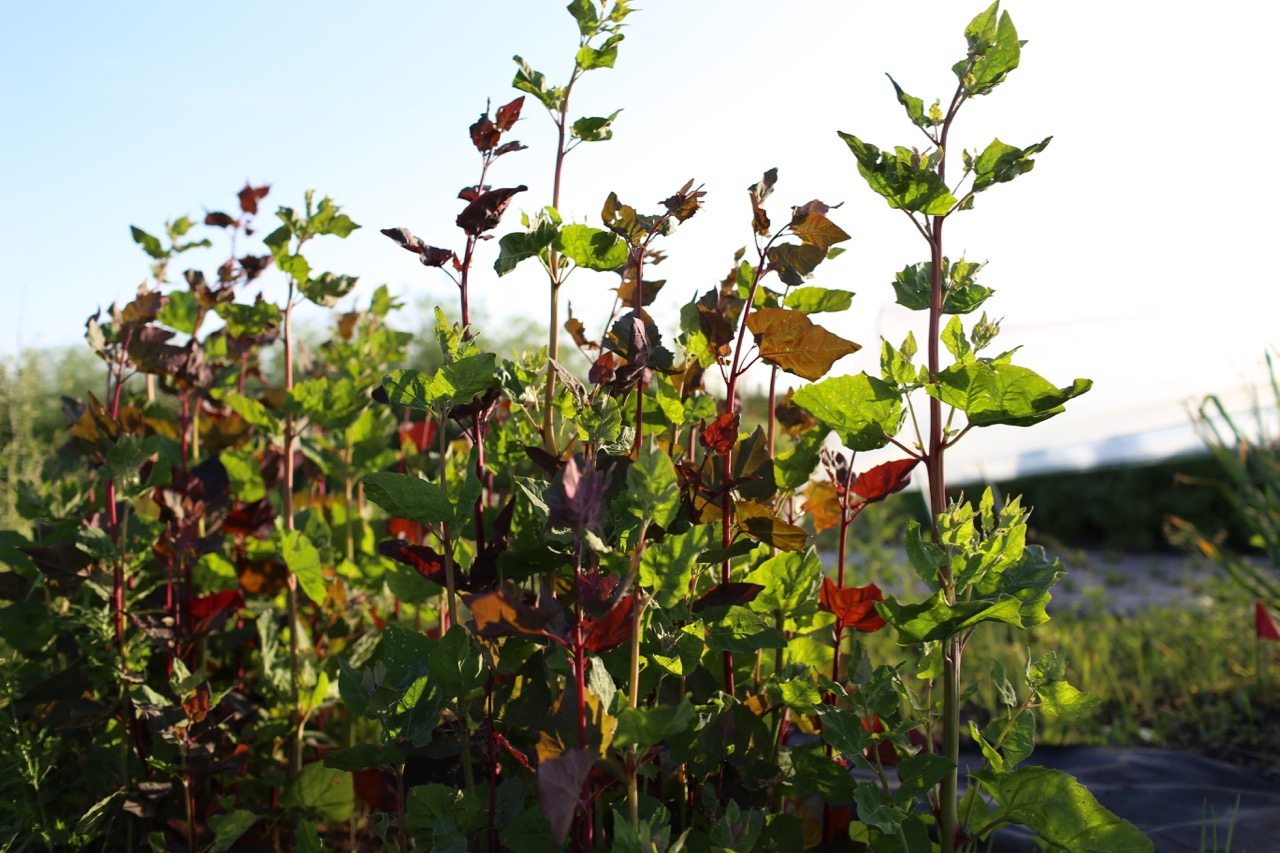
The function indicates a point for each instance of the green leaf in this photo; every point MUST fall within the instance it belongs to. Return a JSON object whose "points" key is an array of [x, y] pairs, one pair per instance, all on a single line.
{"points": [[181, 311], [646, 727], [455, 664], [666, 566], [330, 403], [327, 289], [919, 773], [594, 128], [904, 178], [934, 619], [535, 83], [322, 791], [592, 248], [518, 246], [790, 582], [913, 106], [245, 475], [844, 731], [150, 244], [896, 365], [819, 776], [961, 294], [862, 410], [815, 300], [799, 694], [994, 51], [792, 467], [248, 320], [294, 266], [227, 828], [603, 56], [364, 755], [1061, 811], [991, 392], [584, 12], [743, 632], [408, 496], [303, 559], [254, 413], [999, 163], [1060, 700], [453, 383], [651, 487], [876, 809], [954, 340]]}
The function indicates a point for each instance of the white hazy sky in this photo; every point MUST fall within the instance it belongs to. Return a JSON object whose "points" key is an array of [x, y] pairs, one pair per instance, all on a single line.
{"points": [[1136, 253]]}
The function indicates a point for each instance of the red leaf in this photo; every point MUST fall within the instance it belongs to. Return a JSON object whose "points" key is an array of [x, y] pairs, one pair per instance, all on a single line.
{"points": [[853, 606], [207, 605], [1264, 625], [250, 196], [508, 113], [486, 211], [208, 611], [218, 219], [612, 629], [421, 434], [484, 133], [428, 563], [883, 480], [721, 434], [727, 595], [372, 786], [403, 528]]}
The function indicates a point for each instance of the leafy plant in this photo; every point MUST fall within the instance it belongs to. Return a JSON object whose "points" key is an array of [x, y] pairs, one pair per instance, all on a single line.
{"points": [[492, 604]]}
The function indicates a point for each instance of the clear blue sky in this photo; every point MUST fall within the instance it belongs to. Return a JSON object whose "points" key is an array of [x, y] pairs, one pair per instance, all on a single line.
{"points": [[1136, 253]]}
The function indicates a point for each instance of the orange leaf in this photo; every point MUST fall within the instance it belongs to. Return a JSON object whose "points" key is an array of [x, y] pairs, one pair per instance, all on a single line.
{"points": [[853, 606], [789, 339], [721, 434], [822, 504]]}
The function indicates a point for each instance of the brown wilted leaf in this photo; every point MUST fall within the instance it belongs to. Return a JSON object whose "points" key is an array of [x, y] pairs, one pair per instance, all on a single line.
{"points": [[685, 203], [810, 223], [790, 340], [760, 191]]}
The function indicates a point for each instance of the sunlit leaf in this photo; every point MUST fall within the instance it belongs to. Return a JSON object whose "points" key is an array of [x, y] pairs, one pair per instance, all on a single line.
{"points": [[793, 342]]}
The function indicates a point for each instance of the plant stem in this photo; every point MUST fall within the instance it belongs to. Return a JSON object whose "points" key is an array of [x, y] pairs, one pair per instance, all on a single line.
{"points": [[451, 589], [402, 828], [580, 681], [553, 273], [952, 648], [295, 762]]}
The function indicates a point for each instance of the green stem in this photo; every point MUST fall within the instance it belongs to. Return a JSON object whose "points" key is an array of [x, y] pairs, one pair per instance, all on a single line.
{"points": [[295, 761]]}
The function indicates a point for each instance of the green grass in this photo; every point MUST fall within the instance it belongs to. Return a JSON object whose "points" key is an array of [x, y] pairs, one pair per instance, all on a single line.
{"points": [[1180, 677]]}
